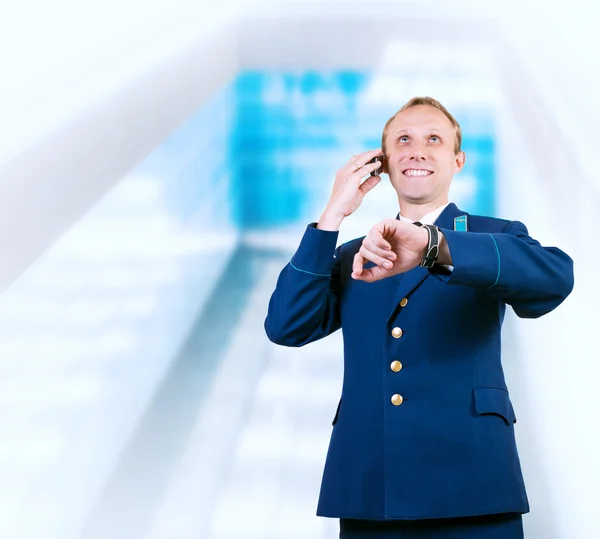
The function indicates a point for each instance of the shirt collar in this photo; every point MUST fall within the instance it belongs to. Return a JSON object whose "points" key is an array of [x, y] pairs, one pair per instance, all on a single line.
{"points": [[428, 219]]}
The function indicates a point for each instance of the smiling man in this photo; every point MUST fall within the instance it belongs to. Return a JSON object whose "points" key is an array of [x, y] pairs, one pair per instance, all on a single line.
{"points": [[423, 443], [422, 147]]}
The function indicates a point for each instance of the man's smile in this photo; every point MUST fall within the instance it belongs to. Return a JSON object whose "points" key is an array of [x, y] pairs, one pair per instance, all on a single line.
{"points": [[416, 172]]}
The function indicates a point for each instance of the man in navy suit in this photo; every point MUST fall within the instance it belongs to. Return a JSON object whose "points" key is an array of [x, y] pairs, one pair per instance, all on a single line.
{"points": [[423, 441]]}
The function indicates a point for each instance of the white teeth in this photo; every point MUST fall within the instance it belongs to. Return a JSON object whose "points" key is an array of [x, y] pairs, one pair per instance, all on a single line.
{"points": [[416, 172], [413, 172]]}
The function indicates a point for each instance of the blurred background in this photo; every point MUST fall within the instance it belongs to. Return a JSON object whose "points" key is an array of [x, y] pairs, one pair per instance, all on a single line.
{"points": [[159, 162]]}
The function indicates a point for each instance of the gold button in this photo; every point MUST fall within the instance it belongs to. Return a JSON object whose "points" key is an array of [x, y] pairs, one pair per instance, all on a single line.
{"points": [[403, 302], [397, 333], [397, 399], [396, 366]]}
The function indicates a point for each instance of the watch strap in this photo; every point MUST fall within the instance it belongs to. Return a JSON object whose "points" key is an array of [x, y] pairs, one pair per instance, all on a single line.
{"points": [[433, 246]]}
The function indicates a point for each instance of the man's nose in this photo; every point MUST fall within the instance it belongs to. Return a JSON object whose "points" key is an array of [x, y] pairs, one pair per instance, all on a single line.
{"points": [[418, 153]]}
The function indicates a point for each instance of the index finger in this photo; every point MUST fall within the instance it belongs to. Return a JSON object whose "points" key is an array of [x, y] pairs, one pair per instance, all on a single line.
{"points": [[361, 159], [375, 236], [369, 154]]}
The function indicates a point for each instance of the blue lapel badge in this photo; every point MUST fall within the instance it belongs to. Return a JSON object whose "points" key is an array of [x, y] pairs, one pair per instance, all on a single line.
{"points": [[460, 223]]}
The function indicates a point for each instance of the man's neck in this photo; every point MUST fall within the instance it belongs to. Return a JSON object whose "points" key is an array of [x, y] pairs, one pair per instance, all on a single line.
{"points": [[415, 212]]}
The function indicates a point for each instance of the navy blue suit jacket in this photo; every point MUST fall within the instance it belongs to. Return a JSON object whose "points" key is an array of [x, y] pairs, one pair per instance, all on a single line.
{"points": [[449, 448]]}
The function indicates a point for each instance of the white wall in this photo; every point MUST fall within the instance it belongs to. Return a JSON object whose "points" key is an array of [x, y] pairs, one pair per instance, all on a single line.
{"points": [[74, 131], [550, 74], [60, 57], [105, 263], [557, 44]]}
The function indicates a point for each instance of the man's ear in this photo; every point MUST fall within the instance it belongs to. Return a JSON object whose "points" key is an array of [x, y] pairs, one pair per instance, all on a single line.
{"points": [[460, 161]]}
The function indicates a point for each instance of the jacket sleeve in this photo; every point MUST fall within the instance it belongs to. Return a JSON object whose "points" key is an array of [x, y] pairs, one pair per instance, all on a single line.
{"points": [[512, 267], [305, 304]]}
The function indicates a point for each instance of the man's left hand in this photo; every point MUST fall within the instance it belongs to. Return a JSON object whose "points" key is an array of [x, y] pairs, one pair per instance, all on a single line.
{"points": [[394, 246]]}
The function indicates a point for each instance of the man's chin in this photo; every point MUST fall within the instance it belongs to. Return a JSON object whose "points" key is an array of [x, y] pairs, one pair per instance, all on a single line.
{"points": [[416, 198], [412, 192]]}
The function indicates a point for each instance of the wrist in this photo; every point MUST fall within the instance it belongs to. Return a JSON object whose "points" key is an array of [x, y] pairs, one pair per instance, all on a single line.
{"points": [[424, 242], [330, 221]]}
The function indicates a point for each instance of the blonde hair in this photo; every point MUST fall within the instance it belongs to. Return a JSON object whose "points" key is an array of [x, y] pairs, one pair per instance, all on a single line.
{"points": [[430, 101]]}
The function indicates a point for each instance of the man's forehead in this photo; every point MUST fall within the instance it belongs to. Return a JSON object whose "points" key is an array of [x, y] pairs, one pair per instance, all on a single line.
{"points": [[426, 118]]}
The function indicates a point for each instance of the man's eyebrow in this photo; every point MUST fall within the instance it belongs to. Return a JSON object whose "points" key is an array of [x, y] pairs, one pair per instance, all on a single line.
{"points": [[431, 130]]}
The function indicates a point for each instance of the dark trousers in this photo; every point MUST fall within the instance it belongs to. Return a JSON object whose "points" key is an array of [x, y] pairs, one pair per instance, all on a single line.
{"points": [[503, 526]]}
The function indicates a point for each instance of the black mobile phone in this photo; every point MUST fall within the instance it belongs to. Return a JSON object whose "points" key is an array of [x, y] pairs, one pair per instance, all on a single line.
{"points": [[377, 171]]}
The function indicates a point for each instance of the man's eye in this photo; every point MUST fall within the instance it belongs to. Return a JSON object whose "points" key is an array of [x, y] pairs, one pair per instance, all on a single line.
{"points": [[435, 137], [403, 138]]}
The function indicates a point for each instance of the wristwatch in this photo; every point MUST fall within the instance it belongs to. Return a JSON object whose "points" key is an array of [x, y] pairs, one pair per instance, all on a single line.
{"points": [[433, 246]]}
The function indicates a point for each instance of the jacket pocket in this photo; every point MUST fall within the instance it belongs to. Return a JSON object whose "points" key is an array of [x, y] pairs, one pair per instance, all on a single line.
{"points": [[337, 413], [494, 400]]}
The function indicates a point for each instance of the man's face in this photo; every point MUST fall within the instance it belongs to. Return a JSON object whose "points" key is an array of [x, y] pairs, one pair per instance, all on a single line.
{"points": [[419, 147]]}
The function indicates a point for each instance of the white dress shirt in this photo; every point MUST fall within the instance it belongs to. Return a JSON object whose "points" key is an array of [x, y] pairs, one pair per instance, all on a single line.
{"points": [[428, 219]]}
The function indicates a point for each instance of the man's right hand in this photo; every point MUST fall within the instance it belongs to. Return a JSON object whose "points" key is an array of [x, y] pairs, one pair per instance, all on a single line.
{"points": [[349, 189]]}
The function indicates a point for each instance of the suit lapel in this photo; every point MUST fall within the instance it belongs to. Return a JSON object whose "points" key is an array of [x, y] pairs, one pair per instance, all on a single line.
{"points": [[403, 284], [400, 286]]}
